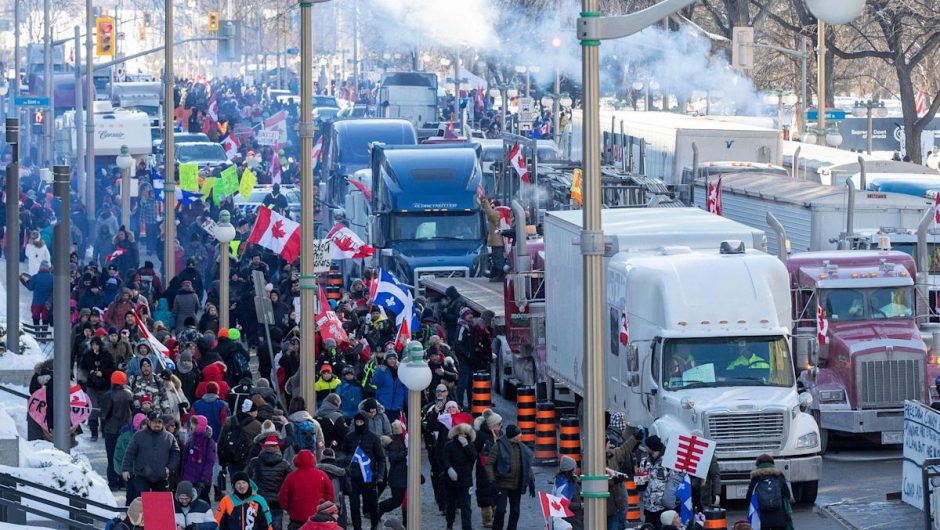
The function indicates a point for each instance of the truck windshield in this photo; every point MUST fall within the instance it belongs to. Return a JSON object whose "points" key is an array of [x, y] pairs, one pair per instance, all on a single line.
{"points": [[722, 362], [868, 304], [460, 226]]}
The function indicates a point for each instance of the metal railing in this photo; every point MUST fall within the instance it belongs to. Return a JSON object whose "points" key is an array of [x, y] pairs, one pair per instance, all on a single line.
{"points": [[14, 510], [16, 393]]}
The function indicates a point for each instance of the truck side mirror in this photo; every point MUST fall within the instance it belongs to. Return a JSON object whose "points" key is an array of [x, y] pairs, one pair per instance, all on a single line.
{"points": [[376, 234], [819, 353]]}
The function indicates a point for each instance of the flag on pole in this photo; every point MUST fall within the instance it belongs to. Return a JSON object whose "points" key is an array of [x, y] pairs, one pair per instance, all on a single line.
{"points": [[231, 145], [404, 335], [684, 495], [346, 244], [329, 326], [822, 325], [276, 166], [713, 198], [278, 123], [156, 345], [277, 233], [753, 512], [365, 465], [392, 294], [317, 151], [553, 506], [517, 161]]}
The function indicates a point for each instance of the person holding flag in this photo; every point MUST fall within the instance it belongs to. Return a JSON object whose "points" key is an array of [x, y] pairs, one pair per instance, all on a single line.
{"points": [[567, 489], [366, 467], [769, 497]]}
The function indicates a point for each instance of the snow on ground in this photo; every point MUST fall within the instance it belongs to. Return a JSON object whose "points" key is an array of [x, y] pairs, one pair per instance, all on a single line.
{"points": [[31, 355], [13, 409]]}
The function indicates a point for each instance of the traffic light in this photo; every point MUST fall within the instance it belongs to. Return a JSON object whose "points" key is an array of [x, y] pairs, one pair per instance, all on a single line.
{"points": [[213, 21], [147, 20], [37, 121], [104, 39]]}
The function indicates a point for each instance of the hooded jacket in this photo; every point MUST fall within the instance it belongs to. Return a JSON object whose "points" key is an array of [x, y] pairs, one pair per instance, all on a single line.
{"points": [[269, 470], [98, 367], [509, 465], [121, 351], [461, 456], [293, 420], [250, 512], [150, 453], [199, 454], [351, 395], [775, 518], [215, 411], [214, 372], [116, 409], [378, 424], [372, 448], [390, 392], [198, 513], [305, 488]]}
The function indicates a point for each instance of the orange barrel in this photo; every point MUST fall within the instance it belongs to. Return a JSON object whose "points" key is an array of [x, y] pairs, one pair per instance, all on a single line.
{"points": [[481, 394], [569, 438], [716, 518], [633, 502], [546, 430], [525, 401], [334, 284]]}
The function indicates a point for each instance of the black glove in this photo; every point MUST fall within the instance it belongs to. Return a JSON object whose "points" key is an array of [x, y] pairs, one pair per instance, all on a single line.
{"points": [[191, 526], [639, 434], [532, 489], [200, 488]]}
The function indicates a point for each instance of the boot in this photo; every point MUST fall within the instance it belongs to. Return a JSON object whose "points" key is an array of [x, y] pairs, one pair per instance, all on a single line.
{"points": [[487, 512]]}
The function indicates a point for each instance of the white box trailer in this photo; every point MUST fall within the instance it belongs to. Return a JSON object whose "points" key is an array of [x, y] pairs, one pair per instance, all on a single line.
{"points": [[667, 140], [814, 215], [688, 283]]}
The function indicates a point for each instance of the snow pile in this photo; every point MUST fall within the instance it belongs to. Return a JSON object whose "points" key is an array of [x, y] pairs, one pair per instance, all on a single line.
{"points": [[13, 409], [30, 352], [8, 429]]}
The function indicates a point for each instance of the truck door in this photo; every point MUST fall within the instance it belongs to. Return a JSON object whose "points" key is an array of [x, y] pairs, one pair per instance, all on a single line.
{"points": [[650, 376]]}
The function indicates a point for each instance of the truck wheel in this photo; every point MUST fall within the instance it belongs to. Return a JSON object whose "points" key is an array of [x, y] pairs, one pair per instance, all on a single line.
{"points": [[805, 492]]}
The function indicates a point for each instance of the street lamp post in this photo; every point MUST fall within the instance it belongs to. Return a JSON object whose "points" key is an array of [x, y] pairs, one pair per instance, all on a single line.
{"points": [[169, 148], [416, 375], [90, 175], [13, 235], [870, 108], [124, 162], [61, 362], [225, 233]]}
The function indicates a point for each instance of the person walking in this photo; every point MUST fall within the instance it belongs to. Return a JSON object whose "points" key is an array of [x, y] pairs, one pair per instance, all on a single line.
{"points": [[509, 465], [269, 470], [459, 456], [150, 456], [192, 513], [340, 480], [116, 412], [397, 480], [40, 283], [243, 509], [390, 392], [567, 485], [774, 500], [489, 426], [237, 438], [97, 365], [366, 467], [199, 456], [304, 489]]}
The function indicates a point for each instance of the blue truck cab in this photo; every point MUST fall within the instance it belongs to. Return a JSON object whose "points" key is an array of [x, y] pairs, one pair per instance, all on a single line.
{"points": [[426, 217]]}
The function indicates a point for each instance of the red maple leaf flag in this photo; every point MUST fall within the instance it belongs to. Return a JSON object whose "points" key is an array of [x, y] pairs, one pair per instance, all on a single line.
{"points": [[346, 244], [518, 162], [553, 506], [624, 329], [231, 145], [317, 151], [275, 232], [713, 199], [404, 335], [118, 252], [822, 325]]}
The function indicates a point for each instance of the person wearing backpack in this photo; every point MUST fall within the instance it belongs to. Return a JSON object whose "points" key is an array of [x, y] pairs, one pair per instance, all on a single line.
{"points": [[773, 494], [269, 470], [236, 439], [331, 420], [302, 430], [340, 481]]}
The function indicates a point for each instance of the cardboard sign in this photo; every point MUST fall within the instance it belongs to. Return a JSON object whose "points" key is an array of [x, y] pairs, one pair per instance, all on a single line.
{"points": [[159, 513], [267, 137], [78, 401], [321, 255], [189, 177], [921, 440], [209, 226], [689, 453], [229, 183]]}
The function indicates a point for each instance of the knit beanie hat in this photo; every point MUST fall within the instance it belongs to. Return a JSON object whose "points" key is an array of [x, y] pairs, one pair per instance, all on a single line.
{"points": [[118, 378], [212, 387], [492, 419], [185, 488], [397, 427], [567, 464]]}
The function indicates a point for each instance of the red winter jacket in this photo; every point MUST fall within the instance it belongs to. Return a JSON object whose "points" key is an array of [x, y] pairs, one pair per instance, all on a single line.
{"points": [[305, 488], [215, 372]]}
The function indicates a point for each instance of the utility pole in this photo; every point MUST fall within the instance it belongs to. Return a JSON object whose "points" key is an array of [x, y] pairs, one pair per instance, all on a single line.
{"points": [[48, 113], [821, 83], [169, 151], [308, 280], [91, 176], [79, 122], [13, 236], [14, 112], [62, 357], [355, 49]]}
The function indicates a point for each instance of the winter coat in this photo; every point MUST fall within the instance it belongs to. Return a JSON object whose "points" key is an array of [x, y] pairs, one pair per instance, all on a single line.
{"points": [[250, 512], [332, 423], [198, 513], [351, 394], [771, 518], [372, 447], [156, 361], [41, 286], [120, 448], [293, 420], [213, 372], [199, 455], [248, 424], [397, 455], [304, 488], [268, 470], [509, 465], [569, 487], [227, 350], [390, 392], [121, 351], [378, 424], [485, 489], [459, 456], [620, 458], [215, 410], [98, 368], [341, 486], [36, 255], [150, 453], [174, 398], [652, 497], [185, 304], [493, 237], [152, 386], [324, 388], [116, 409], [89, 299], [189, 381]]}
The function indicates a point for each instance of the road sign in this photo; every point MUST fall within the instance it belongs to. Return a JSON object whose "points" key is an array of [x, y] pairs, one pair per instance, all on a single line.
{"points": [[527, 110], [293, 51], [831, 114], [31, 101]]}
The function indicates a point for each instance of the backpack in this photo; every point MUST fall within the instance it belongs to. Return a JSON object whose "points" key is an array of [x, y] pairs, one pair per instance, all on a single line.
{"points": [[305, 436], [332, 433], [242, 363], [769, 496], [236, 447]]}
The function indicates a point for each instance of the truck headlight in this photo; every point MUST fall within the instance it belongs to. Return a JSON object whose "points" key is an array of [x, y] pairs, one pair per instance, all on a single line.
{"points": [[831, 396], [807, 441]]}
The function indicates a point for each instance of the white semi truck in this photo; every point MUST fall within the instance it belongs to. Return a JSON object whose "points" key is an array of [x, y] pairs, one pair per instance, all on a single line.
{"points": [[696, 291]]}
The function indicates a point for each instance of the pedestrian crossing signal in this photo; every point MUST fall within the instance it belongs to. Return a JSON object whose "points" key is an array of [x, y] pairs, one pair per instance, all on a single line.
{"points": [[104, 39], [213, 22]]}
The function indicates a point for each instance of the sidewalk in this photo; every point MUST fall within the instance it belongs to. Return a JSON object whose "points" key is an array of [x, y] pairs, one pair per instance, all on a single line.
{"points": [[887, 515]]}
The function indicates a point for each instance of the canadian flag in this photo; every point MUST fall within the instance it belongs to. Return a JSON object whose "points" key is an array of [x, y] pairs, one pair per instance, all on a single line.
{"points": [[822, 325], [404, 335], [553, 506], [713, 199], [278, 123], [276, 166], [317, 151], [213, 110], [346, 244], [329, 325], [920, 102], [518, 162], [624, 329], [231, 145], [157, 346], [275, 232], [118, 252]]}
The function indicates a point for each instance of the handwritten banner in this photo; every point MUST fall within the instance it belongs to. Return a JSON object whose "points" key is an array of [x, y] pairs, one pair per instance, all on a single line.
{"points": [[921, 441]]}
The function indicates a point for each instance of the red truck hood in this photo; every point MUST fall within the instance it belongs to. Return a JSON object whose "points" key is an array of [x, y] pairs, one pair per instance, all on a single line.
{"points": [[864, 337]]}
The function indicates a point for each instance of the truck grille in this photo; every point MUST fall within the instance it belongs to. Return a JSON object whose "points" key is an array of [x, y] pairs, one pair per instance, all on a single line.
{"points": [[460, 272], [752, 432], [887, 383]]}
